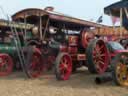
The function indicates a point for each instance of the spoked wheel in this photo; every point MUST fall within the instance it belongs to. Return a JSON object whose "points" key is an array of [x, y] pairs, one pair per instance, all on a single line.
{"points": [[63, 66], [34, 63], [120, 69], [6, 64], [97, 56]]}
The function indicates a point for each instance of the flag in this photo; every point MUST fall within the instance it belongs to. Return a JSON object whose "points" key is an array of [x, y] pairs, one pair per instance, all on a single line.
{"points": [[115, 20], [100, 19]]}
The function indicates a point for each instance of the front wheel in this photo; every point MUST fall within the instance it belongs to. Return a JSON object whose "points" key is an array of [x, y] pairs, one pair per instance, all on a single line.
{"points": [[34, 62], [63, 66], [120, 69]]}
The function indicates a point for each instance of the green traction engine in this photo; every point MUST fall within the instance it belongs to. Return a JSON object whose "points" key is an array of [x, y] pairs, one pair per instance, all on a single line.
{"points": [[15, 49]]}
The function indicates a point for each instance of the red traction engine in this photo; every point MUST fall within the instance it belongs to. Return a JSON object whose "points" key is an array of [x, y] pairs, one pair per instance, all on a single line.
{"points": [[81, 49], [68, 47]]}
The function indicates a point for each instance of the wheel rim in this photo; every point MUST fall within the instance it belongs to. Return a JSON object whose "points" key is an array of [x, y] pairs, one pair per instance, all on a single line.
{"points": [[122, 71], [65, 67], [100, 57], [35, 68], [6, 64]]}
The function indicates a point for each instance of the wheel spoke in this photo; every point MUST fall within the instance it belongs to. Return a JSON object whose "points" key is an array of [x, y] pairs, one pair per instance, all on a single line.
{"points": [[68, 70], [102, 55], [98, 68], [65, 60], [101, 59], [98, 49], [101, 62], [94, 51], [95, 61], [97, 65], [61, 62], [101, 47], [94, 56], [61, 66]]}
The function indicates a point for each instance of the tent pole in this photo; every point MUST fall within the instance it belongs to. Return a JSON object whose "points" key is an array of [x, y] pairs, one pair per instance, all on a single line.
{"points": [[126, 12], [41, 28], [114, 28], [25, 21], [121, 15], [45, 30]]}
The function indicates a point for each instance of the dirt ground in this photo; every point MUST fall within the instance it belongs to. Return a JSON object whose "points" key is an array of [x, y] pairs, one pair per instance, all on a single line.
{"points": [[80, 84]]}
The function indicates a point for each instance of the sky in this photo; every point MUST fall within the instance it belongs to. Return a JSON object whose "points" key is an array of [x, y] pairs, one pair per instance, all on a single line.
{"points": [[89, 10]]}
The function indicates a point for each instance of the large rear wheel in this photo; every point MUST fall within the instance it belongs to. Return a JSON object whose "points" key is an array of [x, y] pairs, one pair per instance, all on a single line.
{"points": [[120, 69], [34, 62], [63, 66], [97, 56]]}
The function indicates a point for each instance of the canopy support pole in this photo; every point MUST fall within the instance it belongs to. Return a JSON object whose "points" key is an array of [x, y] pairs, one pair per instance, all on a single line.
{"points": [[114, 28], [126, 12], [25, 21], [121, 16], [45, 30], [41, 28]]}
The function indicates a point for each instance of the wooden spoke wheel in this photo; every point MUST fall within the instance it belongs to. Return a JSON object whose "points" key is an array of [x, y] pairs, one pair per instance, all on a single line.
{"points": [[120, 69], [63, 66], [6, 64], [97, 56], [34, 63]]}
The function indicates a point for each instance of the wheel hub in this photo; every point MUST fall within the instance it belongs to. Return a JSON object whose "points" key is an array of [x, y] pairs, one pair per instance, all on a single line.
{"points": [[65, 66]]}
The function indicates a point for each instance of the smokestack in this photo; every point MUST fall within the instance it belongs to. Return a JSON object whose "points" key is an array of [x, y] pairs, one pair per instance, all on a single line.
{"points": [[49, 8]]}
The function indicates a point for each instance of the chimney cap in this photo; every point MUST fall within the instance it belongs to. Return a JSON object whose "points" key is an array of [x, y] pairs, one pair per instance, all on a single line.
{"points": [[49, 8]]}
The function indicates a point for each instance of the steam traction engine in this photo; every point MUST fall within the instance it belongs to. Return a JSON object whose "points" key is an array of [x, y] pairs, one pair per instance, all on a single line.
{"points": [[66, 42], [120, 62], [82, 49], [14, 50]]}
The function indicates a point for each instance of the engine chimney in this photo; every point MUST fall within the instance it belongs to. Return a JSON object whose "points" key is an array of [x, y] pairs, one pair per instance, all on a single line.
{"points": [[49, 8]]}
